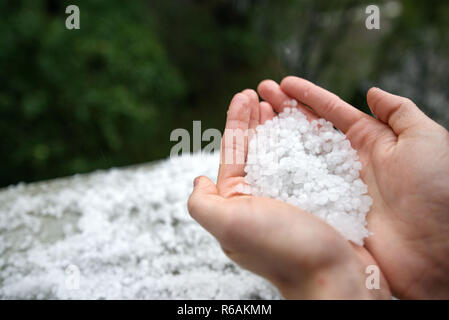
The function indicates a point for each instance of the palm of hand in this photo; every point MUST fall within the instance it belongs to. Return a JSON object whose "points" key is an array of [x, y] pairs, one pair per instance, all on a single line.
{"points": [[291, 248], [410, 215], [405, 158], [409, 218]]}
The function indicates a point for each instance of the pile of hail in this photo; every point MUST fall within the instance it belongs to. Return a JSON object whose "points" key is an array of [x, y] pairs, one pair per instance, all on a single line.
{"points": [[310, 165]]}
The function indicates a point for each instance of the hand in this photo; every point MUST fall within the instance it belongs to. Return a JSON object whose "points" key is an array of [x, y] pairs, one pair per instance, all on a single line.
{"points": [[405, 157], [298, 252]]}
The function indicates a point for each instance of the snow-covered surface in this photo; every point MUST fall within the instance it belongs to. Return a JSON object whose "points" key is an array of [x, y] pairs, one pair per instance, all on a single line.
{"points": [[310, 165], [127, 232]]}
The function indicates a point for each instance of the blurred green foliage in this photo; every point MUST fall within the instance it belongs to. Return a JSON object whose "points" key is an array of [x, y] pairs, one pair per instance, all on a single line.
{"points": [[73, 101], [109, 94]]}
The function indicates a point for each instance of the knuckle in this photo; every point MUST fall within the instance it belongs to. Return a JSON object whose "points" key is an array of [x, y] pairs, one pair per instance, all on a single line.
{"points": [[331, 104], [367, 134], [406, 102], [364, 133], [400, 106], [306, 92], [376, 101], [403, 108]]}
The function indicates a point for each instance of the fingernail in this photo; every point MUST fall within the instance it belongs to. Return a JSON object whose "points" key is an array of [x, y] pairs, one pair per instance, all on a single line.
{"points": [[195, 181]]}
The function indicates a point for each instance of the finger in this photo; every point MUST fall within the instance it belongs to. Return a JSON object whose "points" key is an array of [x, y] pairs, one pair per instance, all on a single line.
{"points": [[234, 143], [323, 102], [271, 92], [398, 112], [204, 204], [254, 106], [266, 112]]}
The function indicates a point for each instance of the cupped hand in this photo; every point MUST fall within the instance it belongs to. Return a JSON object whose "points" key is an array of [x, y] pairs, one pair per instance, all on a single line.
{"points": [[405, 157], [298, 252]]}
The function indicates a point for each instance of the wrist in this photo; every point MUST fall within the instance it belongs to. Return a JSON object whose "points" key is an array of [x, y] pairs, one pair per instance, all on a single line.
{"points": [[343, 281], [433, 283]]}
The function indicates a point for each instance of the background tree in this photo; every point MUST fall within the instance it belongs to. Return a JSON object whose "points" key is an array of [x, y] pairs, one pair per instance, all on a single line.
{"points": [[109, 94]]}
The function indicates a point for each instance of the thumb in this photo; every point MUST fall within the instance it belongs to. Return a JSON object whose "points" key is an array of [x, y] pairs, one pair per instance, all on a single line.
{"points": [[205, 205], [203, 185], [398, 112]]}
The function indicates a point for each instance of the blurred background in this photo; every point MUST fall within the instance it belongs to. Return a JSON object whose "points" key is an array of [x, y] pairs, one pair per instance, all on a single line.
{"points": [[109, 94]]}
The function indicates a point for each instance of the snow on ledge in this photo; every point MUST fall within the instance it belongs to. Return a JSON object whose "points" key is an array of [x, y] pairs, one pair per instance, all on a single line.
{"points": [[127, 232]]}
